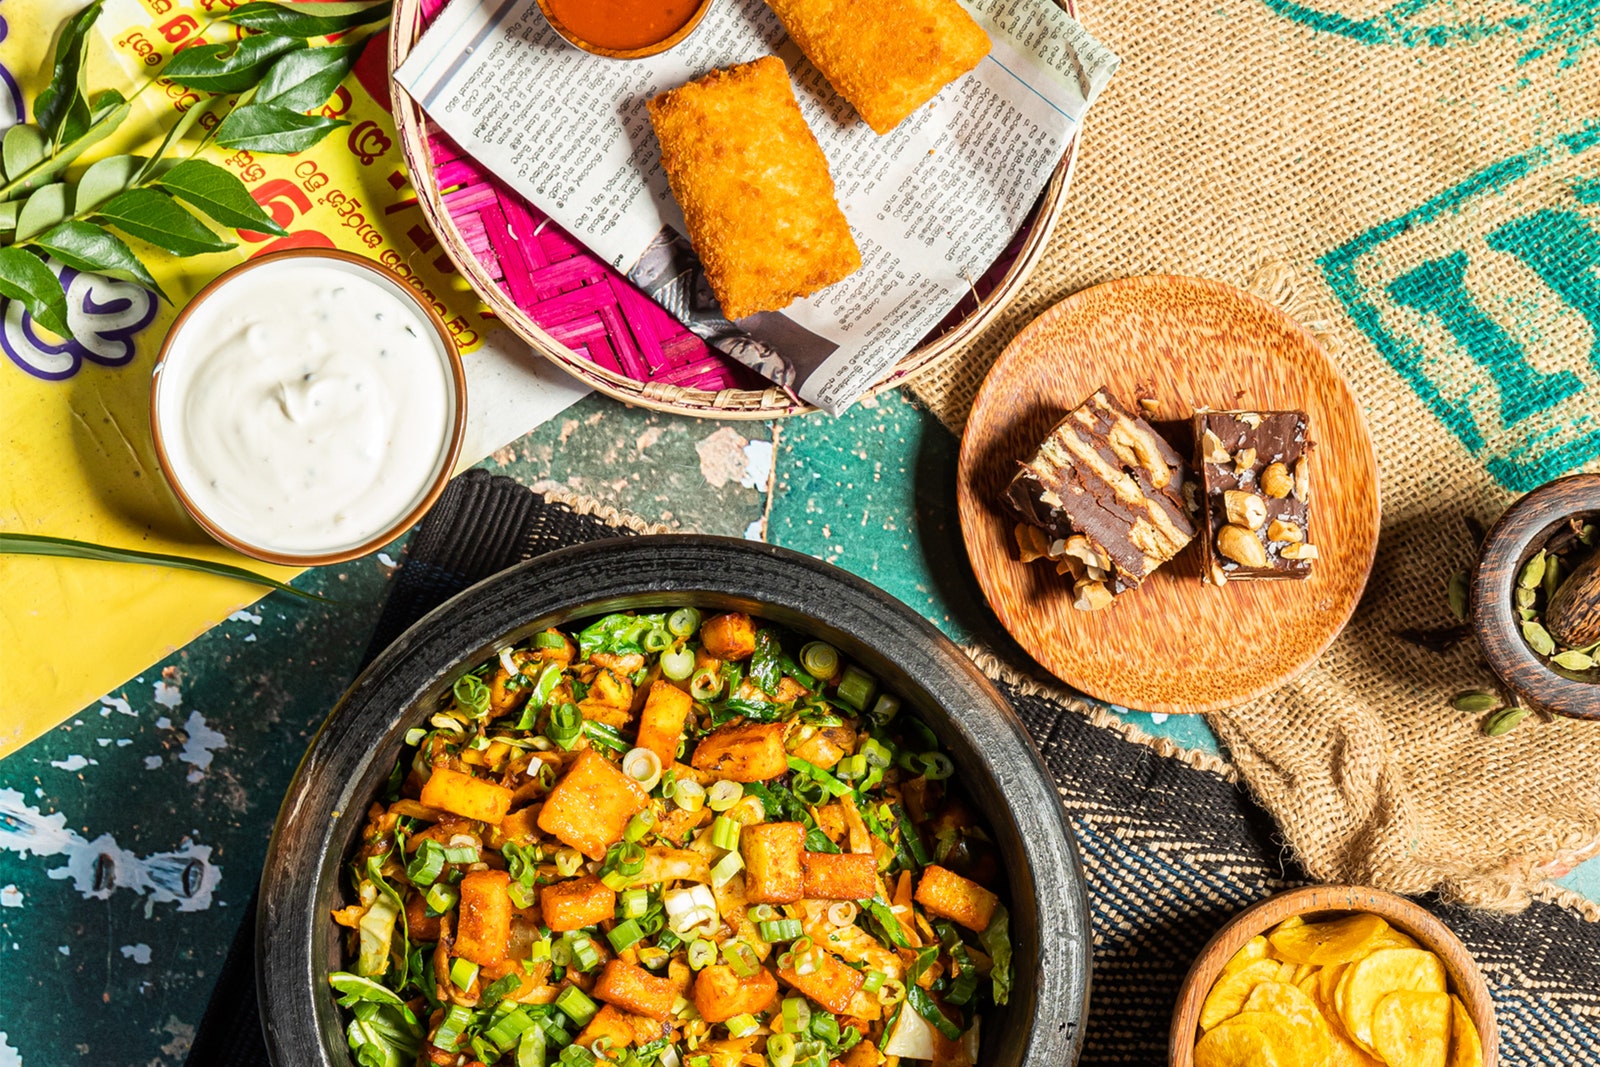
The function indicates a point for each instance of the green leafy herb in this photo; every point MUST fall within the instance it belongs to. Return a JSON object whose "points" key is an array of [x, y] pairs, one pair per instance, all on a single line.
{"points": [[229, 67], [888, 926], [996, 940], [922, 1002], [303, 20], [24, 277], [219, 194], [86, 247], [104, 179], [62, 108], [157, 218], [305, 78], [20, 544], [618, 635]]}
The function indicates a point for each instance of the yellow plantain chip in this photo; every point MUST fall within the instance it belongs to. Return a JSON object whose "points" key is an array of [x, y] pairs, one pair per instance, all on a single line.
{"points": [[1466, 1050], [1293, 1006], [1254, 949], [1342, 1052], [1227, 996], [1388, 970], [1303, 970], [1412, 1029], [1288, 924], [1335, 941], [1286, 972], [1393, 938], [1252, 1039], [1328, 980]]}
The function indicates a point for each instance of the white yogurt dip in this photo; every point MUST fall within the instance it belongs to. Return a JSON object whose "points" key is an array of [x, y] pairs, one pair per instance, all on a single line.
{"points": [[305, 405]]}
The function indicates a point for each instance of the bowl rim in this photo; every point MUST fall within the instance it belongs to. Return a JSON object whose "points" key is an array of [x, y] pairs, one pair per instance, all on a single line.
{"points": [[354, 748], [452, 449], [1466, 978], [672, 40]]}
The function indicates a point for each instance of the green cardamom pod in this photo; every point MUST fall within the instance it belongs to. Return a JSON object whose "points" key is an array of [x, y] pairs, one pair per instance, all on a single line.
{"points": [[1525, 597], [1573, 660], [1532, 571], [1587, 534], [1475, 700], [1503, 720], [1527, 614], [1552, 577], [1460, 598], [1538, 638]]}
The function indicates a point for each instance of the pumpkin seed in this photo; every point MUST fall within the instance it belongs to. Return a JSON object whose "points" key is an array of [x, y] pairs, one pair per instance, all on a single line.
{"points": [[1538, 638], [1532, 571], [1573, 660], [1475, 700], [1460, 598], [1503, 720]]}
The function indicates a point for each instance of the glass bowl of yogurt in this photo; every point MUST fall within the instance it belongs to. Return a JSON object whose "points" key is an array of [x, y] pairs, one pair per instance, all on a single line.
{"points": [[308, 407]]}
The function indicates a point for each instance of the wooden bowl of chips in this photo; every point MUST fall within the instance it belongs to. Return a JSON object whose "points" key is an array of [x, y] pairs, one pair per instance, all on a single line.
{"points": [[1334, 974]]}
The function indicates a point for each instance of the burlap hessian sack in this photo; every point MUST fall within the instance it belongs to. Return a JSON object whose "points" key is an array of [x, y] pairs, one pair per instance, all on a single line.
{"points": [[1418, 183]]}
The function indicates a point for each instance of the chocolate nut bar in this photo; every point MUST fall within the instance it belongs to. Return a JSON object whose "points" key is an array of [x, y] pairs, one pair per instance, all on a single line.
{"points": [[1104, 497], [1256, 483]]}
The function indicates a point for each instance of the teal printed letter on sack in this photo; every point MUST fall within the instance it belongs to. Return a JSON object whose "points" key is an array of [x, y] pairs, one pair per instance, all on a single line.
{"points": [[1486, 300], [1539, 27]]}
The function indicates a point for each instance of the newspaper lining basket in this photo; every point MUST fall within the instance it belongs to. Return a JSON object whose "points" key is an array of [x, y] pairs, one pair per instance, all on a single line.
{"points": [[574, 310]]}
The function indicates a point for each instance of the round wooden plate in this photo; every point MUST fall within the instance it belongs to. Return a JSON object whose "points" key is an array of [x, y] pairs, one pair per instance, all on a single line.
{"points": [[1173, 644]]}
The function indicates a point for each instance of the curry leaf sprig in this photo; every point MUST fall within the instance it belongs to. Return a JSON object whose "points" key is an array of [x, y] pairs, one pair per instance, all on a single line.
{"points": [[259, 87]]}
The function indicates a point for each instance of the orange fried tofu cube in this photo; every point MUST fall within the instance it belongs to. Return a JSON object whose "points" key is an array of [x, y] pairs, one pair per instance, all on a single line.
{"points": [[464, 795], [607, 1022], [774, 862], [959, 899], [744, 752], [720, 994], [661, 722], [576, 903], [483, 923], [520, 826], [730, 636], [832, 984], [839, 876], [636, 990], [591, 805]]}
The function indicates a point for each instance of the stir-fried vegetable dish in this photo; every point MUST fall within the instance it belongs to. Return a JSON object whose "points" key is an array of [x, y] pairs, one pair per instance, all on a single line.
{"points": [[668, 840]]}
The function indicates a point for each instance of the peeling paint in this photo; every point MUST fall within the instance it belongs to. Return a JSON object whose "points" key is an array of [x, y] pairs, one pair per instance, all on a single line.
{"points": [[757, 465], [73, 762], [111, 703], [9, 1057], [182, 1037], [245, 616], [648, 438], [10, 897], [202, 742], [167, 695], [152, 762], [753, 532], [185, 877], [65, 950], [139, 953], [722, 458]]}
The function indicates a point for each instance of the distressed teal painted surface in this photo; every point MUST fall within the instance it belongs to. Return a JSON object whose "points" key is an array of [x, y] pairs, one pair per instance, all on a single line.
{"points": [[1543, 27]]}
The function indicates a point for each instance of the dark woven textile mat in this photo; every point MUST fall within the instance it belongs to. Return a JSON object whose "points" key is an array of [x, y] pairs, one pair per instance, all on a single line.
{"points": [[1170, 851]]}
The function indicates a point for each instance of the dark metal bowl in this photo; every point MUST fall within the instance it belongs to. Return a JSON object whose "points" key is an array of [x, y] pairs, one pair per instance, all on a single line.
{"points": [[319, 826]]}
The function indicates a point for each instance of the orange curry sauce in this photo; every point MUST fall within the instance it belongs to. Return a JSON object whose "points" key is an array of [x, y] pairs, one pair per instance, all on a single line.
{"points": [[622, 25]]}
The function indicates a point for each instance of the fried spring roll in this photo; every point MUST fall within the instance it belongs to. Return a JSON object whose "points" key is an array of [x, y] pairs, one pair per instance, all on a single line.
{"points": [[754, 187], [887, 57]]}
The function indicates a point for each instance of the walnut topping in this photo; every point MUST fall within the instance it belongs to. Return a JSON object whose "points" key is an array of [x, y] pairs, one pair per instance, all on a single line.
{"points": [[1211, 450], [1244, 460], [1242, 546], [1301, 551], [1278, 530], [1245, 509], [1031, 543], [1091, 595], [1275, 481], [1302, 480]]}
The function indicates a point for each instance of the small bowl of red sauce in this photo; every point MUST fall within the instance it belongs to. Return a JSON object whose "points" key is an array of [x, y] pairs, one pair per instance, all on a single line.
{"points": [[624, 29]]}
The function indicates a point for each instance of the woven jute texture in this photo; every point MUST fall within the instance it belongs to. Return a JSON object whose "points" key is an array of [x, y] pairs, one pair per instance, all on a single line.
{"points": [[1419, 184]]}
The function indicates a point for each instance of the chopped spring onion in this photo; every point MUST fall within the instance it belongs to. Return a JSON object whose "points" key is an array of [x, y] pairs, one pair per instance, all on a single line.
{"points": [[656, 639], [549, 639], [689, 795], [577, 1056], [705, 684], [874, 982], [820, 658], [683, 622], [877, 753], [669, 784], [724, 795], [454, 853], [796, 1015], [426, 866], [448, 1034], [892, 991], [702, 954], [743, 1025], [576, 1005], [508, 1028], [561, 953], [887, 707], [628, 857], [937, 766], [522, 896], [725, 869], [440, 899], [471, 695], [625, 935], [741, 957], [760, 913], [585, 956], [499, 990], [634, 902], [605, 736], [566, 725], [689, 908], [825, 1026], [843, 912], [851, 767], [508, 664], [463, 972], [780, 1050], [414, 736], [725, 833], [831, 784], [677, 664], [531, 1048], [567, 862], [539, 950], [643, 766], [856, 687], [549, 676], [779, 930]]}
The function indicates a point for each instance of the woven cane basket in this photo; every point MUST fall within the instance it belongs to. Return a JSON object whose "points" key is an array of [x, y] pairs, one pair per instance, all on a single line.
{"points": [[578, 312]]}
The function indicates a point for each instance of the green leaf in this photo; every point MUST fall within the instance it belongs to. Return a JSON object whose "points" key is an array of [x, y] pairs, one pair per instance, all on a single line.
{"points": [[18, 544], [157, 218], [104, 179], [87, 247], [23, 146], [61, 108], [46, 169], [175, 133], [8, 216], [305, 79], [24, 277], [42, 210], [297, 20], [269, 128], [219, 194], [230, 67], [104, 103]]}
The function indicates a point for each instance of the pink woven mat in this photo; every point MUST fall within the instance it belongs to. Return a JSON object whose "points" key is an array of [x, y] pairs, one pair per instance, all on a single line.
{"points": [[581, 301]]}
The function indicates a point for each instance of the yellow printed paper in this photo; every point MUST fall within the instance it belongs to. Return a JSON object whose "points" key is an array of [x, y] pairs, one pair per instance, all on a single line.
{"points": [[78, 457]]}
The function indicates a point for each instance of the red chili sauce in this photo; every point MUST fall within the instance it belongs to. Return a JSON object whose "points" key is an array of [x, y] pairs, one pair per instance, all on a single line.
{"points": [[622, 25]]}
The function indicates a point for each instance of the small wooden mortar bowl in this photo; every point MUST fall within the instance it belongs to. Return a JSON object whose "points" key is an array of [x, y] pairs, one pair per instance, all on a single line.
{"points": [[1520, 532], [1326, 902]]}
